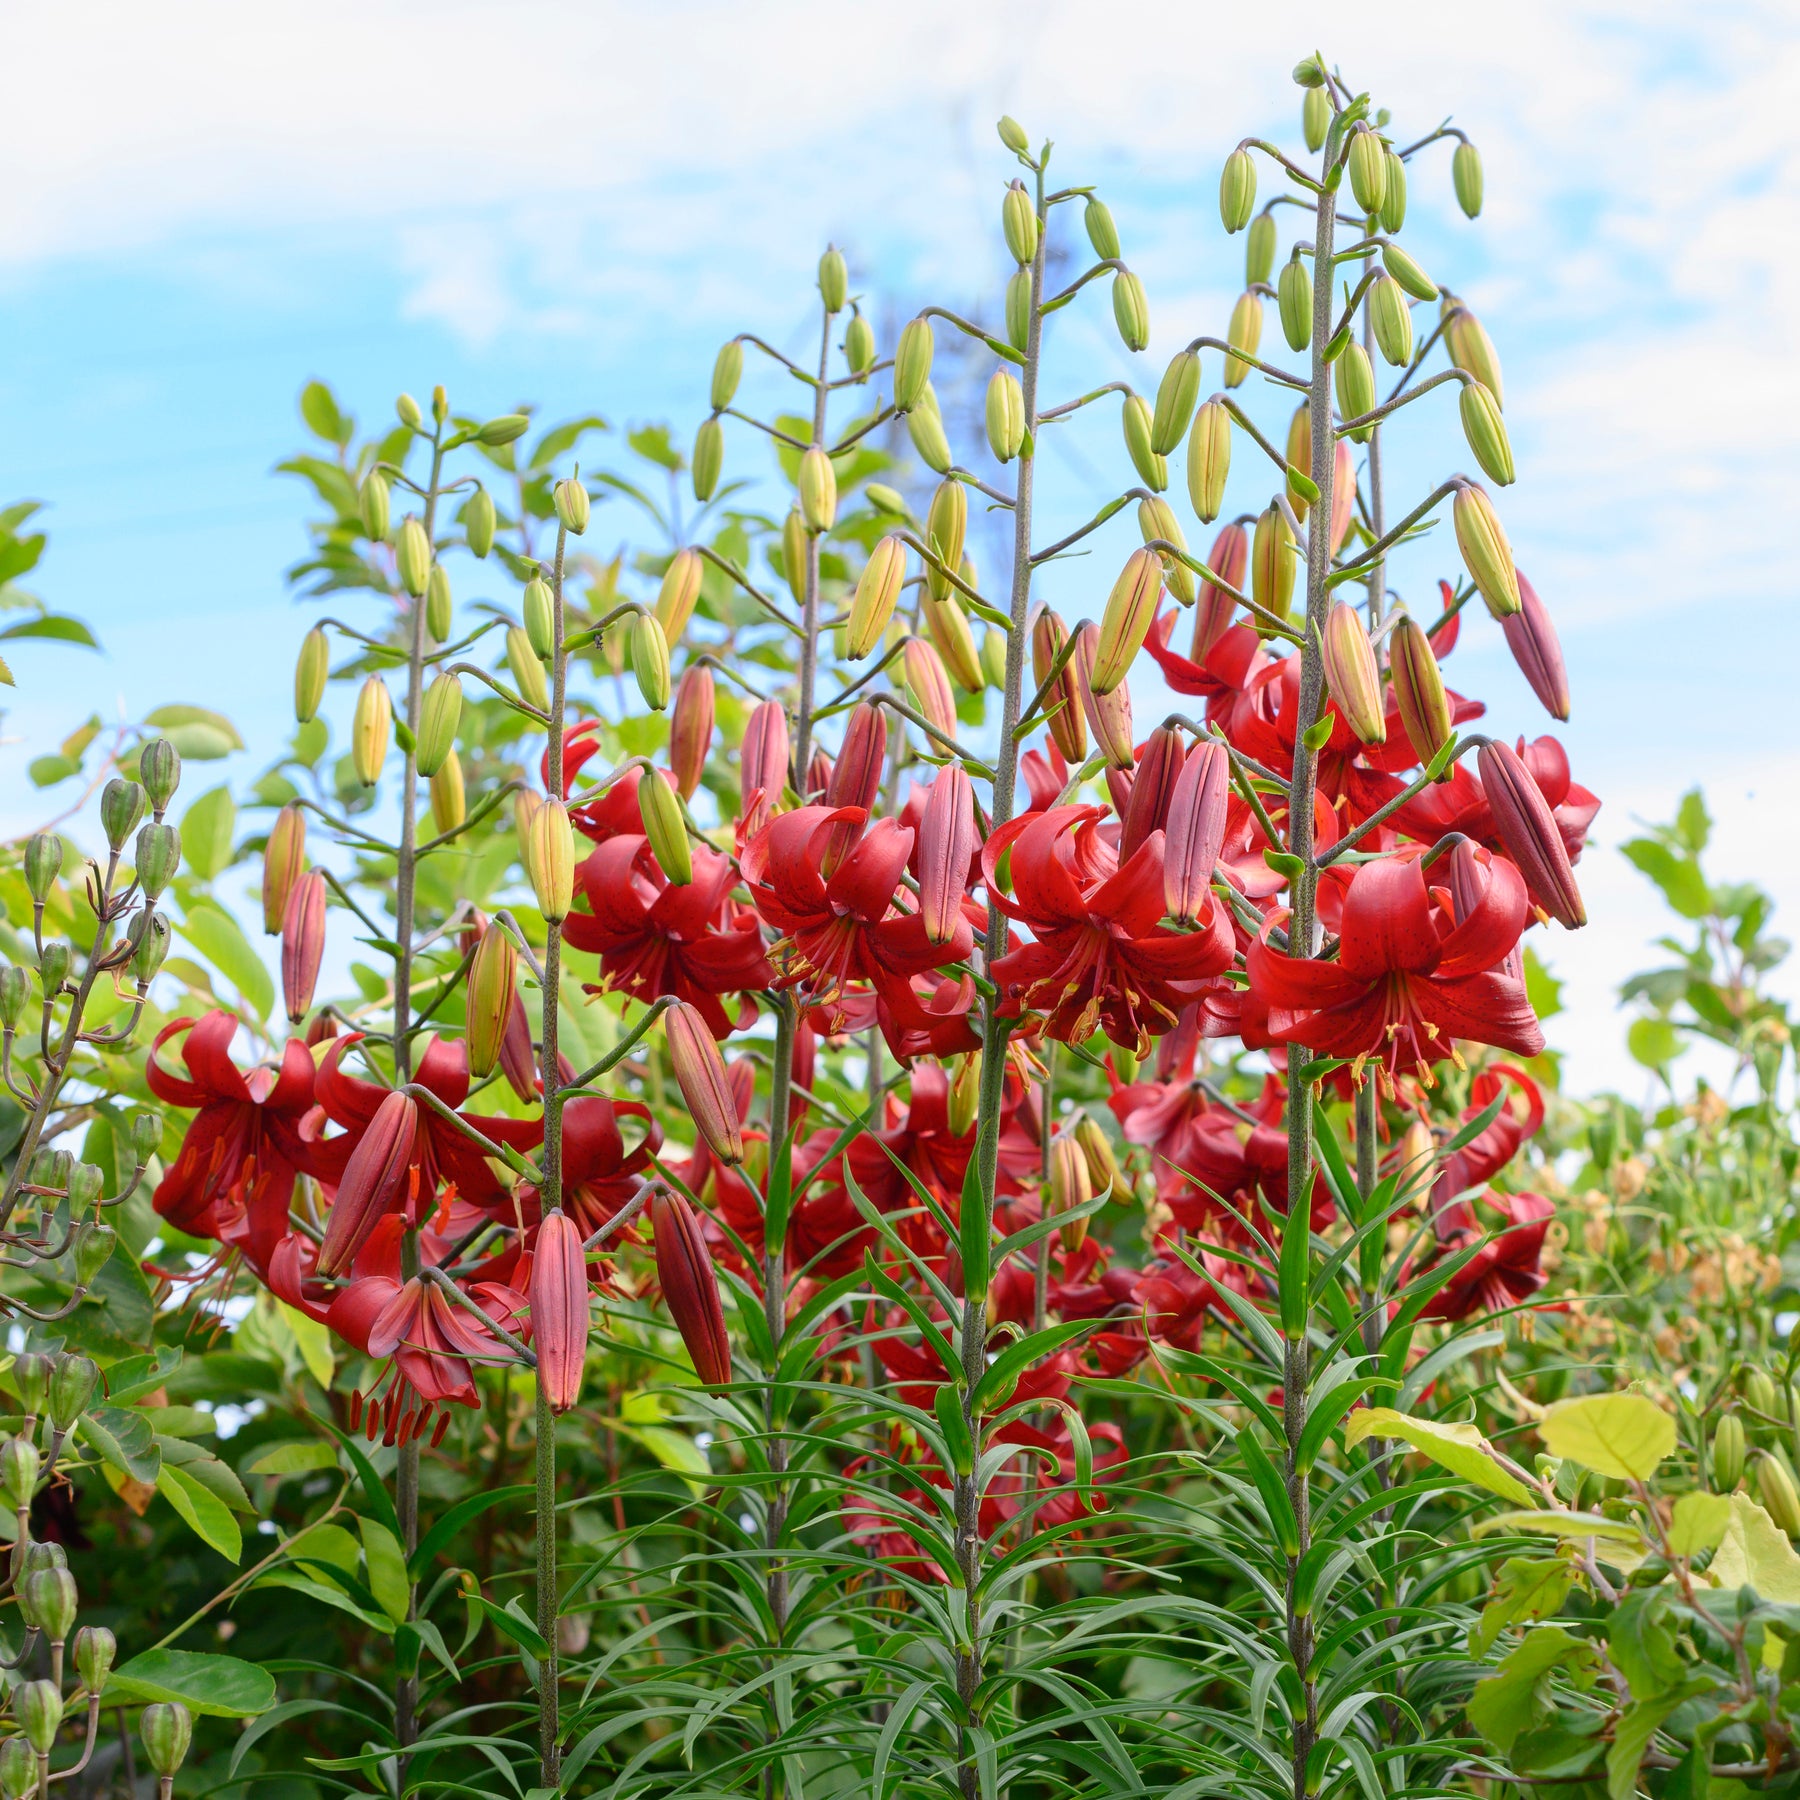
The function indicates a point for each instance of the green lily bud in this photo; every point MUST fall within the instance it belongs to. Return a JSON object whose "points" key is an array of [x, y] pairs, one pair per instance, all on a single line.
{"points": [[728, 370], [1393, 197], [121, 809], [1759, 1389], [1102, 233], [1012, 135], [1408, 273], [834, 280], [370, 727], [1728, 1447], [926, 430], [993, 657], [159, 769], [886, 499], [946, 525], [449, 802], [526, 669], [31, 1378], [43, 863], [1125, 623], [1153, 470], [1237, 190], [1005, 415], [877, 590], [18, 1769], [1272, 565], [1486, 431], [310, 670], [479, 521], [1019, 223], [412, 555], [18, 1472], [1391, 320], [1775, 1488], [158, 857], [167, 1728], [53, 966], [1156, 519], [912, 364], [15, 990], [1018, 309], [52, 1599], [493, 981], [859, 345], [1353, 376], [1209, 460], [1465, 175], [73, 1379], [572, 504], [709, 458], [1131, 310], [539, 610], [650, 661], [438, 603], [947, 625], [679, 593], [93, 1244], [1368, 169], [1259, 249], [407, 409], [1472, 350], [506, 429], [1309, 73], [373, 503], [440, 714], [1294, 301], [1315, 118], [793, 555], [149, 932], [1244, 334], [1485, 552], [1175, 397], [659, 809], [818, 490], [39, 1706], [95, 1649], [547, 849]]}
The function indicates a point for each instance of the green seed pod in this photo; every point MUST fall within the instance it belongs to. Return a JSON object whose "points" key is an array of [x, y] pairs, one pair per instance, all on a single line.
{"points": [[1131, 310], [31, 1377], [818, 490], [1465, 174], [1018, 309], [412, 555], [51, 1170], [438, 603], [449, 806], [85, 1183], [1408, 273], [1391, 320], [1244, 333], [1775, 1488], [93, 1242], [1005, 415], [95, 1649], [1259, 249], [573, 505], [1156, 519], [149, 932], [876, 592], [1175, 397], [167, 1728], [370, 728], [39, 1706], [1393, 198], [1315, 118], [1294, 301], [526, 669], [1368, 169], [159, 769], [15, 990], [53, 1599], [1486, 431], [538, 607], [1019, 223], [659, 809], [72, 1384], [1272, 565], [43, 863], [1102, 233], [1209, 460], [479, 521], [650, 661], [793, 555], [1472, 351], [709, 458], [373, 503], [912, 364], [1153, 470], [859, 345], [18, 1769], [506, 429], [1728, 1447], [1354, 380], [158, 856], [18, 1472], [1485, 552], [834, 280], [1237, 190], [946, 525], [313, 665], [146, 1136], [53, 966], [728, 370], [440, 714], [121, 811], [680, 591], [926, 430], [1012, 135]]}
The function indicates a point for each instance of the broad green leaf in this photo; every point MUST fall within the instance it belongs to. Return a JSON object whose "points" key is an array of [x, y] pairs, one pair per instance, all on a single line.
{"points": [[207, 828], [123, 1439], [1624, 1436], [1679, 877], [298, 1456], [1559, 1524], [1631, 1738], [314, 1340], [329, 1544], [58, 626], [207, 1516], [1528, 1588], [1513, 1699], [223, 1686], [47, 771], [220, 939], [324, 417], [1640, 1640], [1460, 1448], [173, 718], [676, 1451], [1653, 1042], [386, 1564], [1699, 1523]]}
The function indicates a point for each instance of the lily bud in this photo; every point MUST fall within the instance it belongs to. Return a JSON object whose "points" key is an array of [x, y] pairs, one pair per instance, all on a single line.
{"points": [[1126, 621], [1097, 1150], [479, 521], [1343, 495], [549, 857], [926, 429], [1486, 431], [527, 669], [1368, 169], [818, 490], [369, 729], [1019, 223], [1528, 831], [1209, 460], [650, 660], [1531, 637], [449, 807], [728, 370], [1156, 519], [1465, 176], [764, 757], [1005, 415], [1294, 301], [948, 838], [948, 628], [1066, 720], [39, 1708], [877, 590], [1272, 565], [993, 657], [700, 1073], [1299, 456], [679, 593], [1419, 695], [1175, 397], [1153, 470], [1391, 320], [1152, 787], [859, 345], [440, 713], [1315, 118], [303, 943], [856, 775], [1259, 249], [373, 1181], [493, 980], [1485, 552], [18, 1472], [1195, 832], [95, 1649], [708, 458], [73, 1378], [1728, 1448], [167, 1728], [1216, 608], [1408, 273], [412, 556], [929, 686], [1237, 190], [1352, 675], [538, 609], [1102, 233], [946, 524], [691, 728], [1069, 1186], [912, 364], [1131, 310], [284, 857], [1393, 198], [1472, 351], [834, 279], [685, 1270], [159, 769], [1108, 714], [1353, 376], [559, 1309], [1244, 334], [310, 670], [1775, 1488], [660, 811]]}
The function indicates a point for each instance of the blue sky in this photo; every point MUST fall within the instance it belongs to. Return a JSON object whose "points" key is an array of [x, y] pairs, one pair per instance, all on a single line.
{"points": [[574, 205]]}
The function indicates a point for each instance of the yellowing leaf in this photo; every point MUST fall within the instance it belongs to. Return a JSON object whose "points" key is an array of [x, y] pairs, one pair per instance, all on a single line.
{"points": [[1754, 1552], [1559, 1524], [1459, 1448], [1621, 1435], [1699, 1523]]}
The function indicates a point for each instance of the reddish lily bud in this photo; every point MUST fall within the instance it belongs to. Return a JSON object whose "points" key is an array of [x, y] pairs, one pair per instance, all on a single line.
{"points": [[1152, 787], [818, 774], [684, 1267], [1418, 688], [1195, 832], [1352, 675], [929, 685], [700, 1073], [947, 840], [1068, 725], [284, 858], [559, 1309], [493, 985], [954, 642], [1528, 830], [763, 770], [1108, 715], [855, 780], [372, 1181], [1216, 608], [1068, 1186], [691, 728], [1126, 622], [518, 1060], [1343, 496], [303, 943], [1531, 638]]}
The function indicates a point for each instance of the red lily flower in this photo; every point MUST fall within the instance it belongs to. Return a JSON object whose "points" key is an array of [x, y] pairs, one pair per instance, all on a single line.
{"points": [[1504, 1271], [600, 1178]]}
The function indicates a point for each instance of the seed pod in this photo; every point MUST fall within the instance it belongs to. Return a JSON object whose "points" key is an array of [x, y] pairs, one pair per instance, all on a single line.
{"points": [[1315, 118], [1472, 351], [1531, 637], [650, 660], [679, 593], [438, 603], [948, 839], [1019, 223], [440, 714], [946, 524], [18, 1472], [303, 943], [700, 1073], [310, 670], [1728, 1447], [1237, 190], [859, 345], [549, 857], [1018, 309], [1005, 416], [1131, 310], [1195, 832], [479, 522], [369, 730], [1108, 715], [121, 809], [73, 1378], [372, 503], [1294, 301], [1272, 565], [834, 279], [149, 935], [1126, 621], [1465, 176], [763, 764], [948, 628], [1529, 834], [1486, 431], [526, 669], [1352, 675], [912, 364], [53, 1599], [691, 728], [1368, 169], [877, 589], [167, 1729], [660, 811], [559, 1308], [159, 769], [1393, 197], [448, 805], [1391, 320], [1067, 723], [1354, 380], [15, 990], [1244, 334], [95, 1649], [1419, 695], [728, 370], [1259, 249], [685, 1271], [926, 429], [1159, 767], [412, 556], [53, 966], [1069, 1186], [709, 458], [1153, 470], [1485, 552], [1175, 398], [493, 981], [18, 1769], [1156, 519], [1209, 460], [1102, 233], [572, 504], [1774, 1484], [929, 686], [1215, 609], [1408, 273], [284, 856], [146, 1135], [39, 1707], [539, 612]]}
